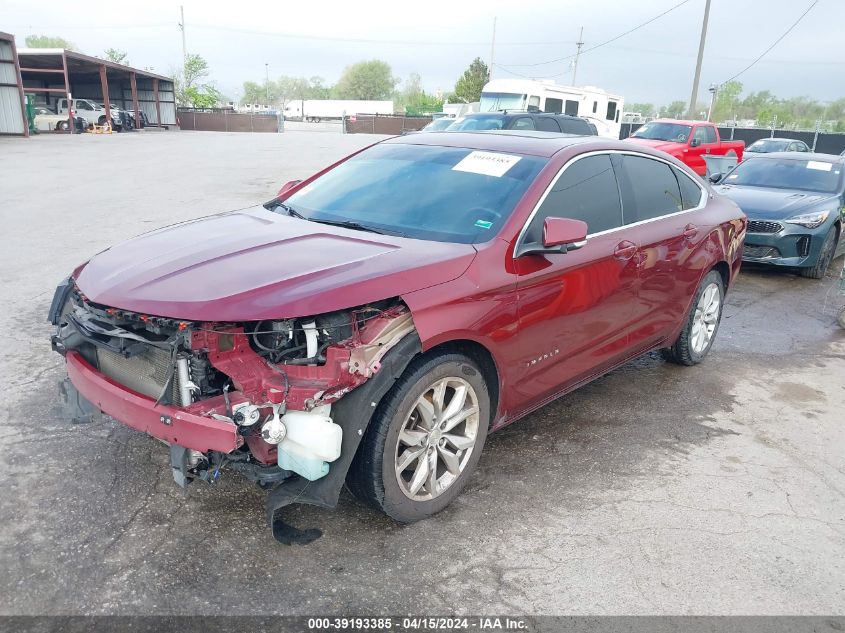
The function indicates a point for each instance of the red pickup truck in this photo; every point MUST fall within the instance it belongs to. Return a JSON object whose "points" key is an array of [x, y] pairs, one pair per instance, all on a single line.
{"points": [[688, 141]]}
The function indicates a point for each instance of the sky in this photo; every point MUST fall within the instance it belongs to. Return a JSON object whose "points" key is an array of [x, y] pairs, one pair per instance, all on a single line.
{"points": [[654, 64]]}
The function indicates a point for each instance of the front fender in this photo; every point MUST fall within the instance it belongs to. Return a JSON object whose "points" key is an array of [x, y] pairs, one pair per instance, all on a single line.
{"points": [[353, 413]]}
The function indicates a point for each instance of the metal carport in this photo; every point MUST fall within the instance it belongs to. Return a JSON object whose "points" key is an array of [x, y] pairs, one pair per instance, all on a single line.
{"points": [[53, 73], [12, 109]]}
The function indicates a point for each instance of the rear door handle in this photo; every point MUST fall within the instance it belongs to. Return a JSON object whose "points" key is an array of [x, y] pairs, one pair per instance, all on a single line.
{"points": [[625, 250], [690, 231]]}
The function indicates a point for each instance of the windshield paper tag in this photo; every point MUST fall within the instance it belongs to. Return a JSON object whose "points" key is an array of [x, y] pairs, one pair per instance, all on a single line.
{"points": [[487, 163], [815, 164]]}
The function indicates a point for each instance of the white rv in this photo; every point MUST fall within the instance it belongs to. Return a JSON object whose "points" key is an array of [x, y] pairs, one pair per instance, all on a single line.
{"points": [[594, 104]]}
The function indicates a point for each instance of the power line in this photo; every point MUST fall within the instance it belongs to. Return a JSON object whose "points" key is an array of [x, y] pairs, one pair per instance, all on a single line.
{"points": [[360, 40], [605, 43], [776, 42]]}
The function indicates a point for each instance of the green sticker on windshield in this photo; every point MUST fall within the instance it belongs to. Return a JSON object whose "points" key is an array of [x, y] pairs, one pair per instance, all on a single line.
{"points": [[483, 224]]}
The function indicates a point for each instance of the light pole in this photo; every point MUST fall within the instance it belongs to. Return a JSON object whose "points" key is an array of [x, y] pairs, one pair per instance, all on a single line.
{"points": [[714, 90]]}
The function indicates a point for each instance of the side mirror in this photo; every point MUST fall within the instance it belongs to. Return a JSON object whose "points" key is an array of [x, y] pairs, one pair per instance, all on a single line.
{"points": [[288, 186], [715, 178], [563, 232], [694, 142], [559, 236]]}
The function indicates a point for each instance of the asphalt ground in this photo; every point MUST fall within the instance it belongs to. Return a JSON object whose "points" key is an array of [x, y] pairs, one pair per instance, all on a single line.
{"points": [[657, 489]]}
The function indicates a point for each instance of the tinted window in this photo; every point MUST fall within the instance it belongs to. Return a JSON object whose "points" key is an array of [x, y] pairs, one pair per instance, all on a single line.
{"points": [[523, 123], [546, 124], [478, 122], [587, 191], [571, 108], [423, 192], [649, 189], [575, 126], [554, 105], [690, 192], [705, 134], [611, 110]]}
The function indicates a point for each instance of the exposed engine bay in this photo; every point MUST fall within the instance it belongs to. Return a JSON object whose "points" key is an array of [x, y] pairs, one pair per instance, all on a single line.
{"points": [[273, 381]]}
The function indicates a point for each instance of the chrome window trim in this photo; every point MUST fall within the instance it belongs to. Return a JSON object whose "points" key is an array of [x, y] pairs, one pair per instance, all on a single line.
{"points": [[701, 203]]}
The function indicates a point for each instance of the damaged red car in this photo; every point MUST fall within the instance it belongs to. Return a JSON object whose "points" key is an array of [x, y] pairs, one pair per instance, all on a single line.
{"points": [[374, 322]]}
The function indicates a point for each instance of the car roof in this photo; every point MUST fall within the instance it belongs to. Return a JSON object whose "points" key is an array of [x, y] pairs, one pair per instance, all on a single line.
{"points": [[780, 138], [531, 143], [825, 158], [681, 121]]}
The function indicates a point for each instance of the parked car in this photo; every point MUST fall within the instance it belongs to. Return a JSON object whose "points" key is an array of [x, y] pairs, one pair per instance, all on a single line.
{"points": [[795, 203], [91, 112], [688, 141], [523, 121], [144, 122], [47, 120], [767, 145], [372, 323], [438, 125], [121, 120]]}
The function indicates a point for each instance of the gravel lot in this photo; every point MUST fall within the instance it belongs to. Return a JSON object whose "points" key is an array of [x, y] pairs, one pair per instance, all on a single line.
{"points": [[718, 489]]}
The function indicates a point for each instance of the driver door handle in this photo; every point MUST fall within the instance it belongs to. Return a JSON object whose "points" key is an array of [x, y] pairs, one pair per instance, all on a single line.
{"points": [[690, 231], [625, 250]]}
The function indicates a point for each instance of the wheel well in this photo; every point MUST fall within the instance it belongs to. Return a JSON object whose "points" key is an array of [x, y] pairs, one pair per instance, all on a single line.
{"points": [[483, 358], [725, 271]]}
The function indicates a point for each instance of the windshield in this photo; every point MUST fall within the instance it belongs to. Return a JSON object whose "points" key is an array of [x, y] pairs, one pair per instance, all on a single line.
{"points": [[787, 173], [477, 122], [495, 101], [768, 145], [674, 132], [445, 194], [438, 125]]}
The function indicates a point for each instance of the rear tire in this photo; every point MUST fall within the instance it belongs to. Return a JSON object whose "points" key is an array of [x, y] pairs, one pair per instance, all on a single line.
{"points": [[825, 257], [702, 324], [413, 428]]}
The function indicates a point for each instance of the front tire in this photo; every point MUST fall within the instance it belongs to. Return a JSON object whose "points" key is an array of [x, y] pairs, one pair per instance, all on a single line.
{"points": [[825, 257], [424, 439], [699, 331], [63, 126]]}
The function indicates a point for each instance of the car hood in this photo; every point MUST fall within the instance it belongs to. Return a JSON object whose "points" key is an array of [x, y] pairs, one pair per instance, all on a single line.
{"points": [[255, 264], [663, 146], [772, 204]]}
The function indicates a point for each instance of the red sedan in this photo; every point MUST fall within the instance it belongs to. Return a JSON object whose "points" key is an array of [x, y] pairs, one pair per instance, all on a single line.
{"points": [[373, 323]]}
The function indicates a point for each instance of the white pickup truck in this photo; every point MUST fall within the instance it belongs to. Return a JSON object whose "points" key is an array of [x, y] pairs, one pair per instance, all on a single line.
{"points": [[92, 112]]}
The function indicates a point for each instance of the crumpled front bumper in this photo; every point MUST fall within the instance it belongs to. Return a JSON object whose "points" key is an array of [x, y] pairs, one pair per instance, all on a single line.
{"points": [[169, 424]]}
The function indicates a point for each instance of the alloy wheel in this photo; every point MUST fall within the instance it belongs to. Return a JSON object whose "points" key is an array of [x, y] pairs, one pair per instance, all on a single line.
{"points": [[706, 318], [437, 438]]}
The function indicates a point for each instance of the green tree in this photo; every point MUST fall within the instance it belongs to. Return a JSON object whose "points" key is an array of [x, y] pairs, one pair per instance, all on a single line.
{"points": [[646, 109], [191, 89], [727, 100], [414, 100], [116, 56], [469, 85], [46, 41], [674, 110], [370, 80]]}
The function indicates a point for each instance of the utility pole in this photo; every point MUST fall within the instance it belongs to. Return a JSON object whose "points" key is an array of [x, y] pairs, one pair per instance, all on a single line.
{"points": [[184, 51], [492, 51], [579, 44], [184, 45], [267, 83], [694, 96]]}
